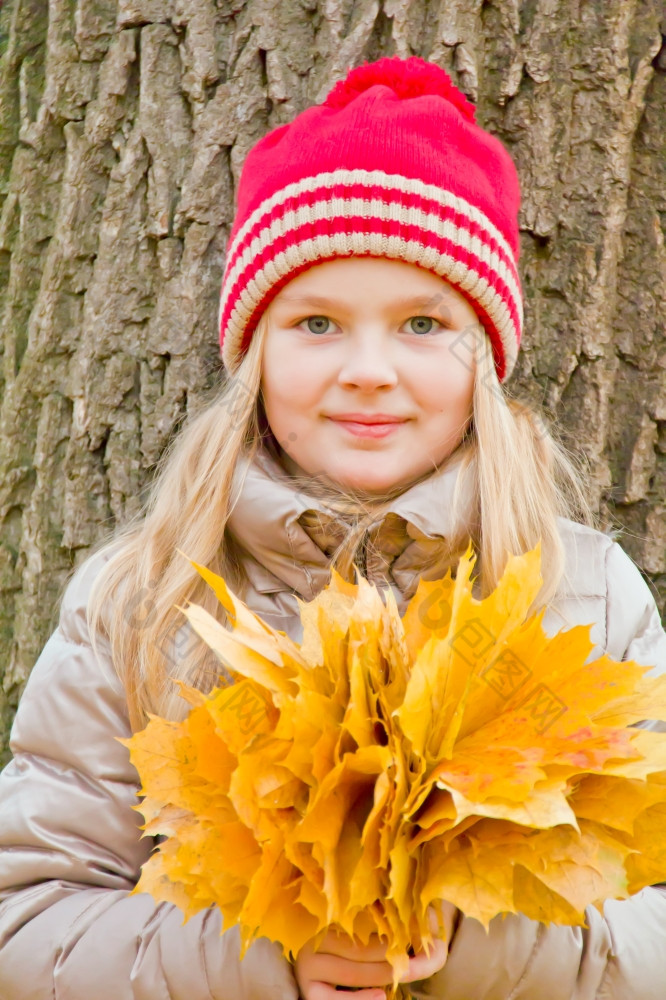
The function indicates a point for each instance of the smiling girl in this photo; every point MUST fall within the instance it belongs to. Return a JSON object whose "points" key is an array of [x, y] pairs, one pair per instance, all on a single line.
{"points": [[371, 311]]}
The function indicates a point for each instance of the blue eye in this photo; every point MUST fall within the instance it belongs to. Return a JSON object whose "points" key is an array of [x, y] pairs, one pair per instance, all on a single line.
{"points": [[316, 322], [421, 320]]}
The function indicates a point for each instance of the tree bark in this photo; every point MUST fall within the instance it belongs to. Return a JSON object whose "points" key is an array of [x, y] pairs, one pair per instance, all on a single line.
{"points": [[123, 128]]}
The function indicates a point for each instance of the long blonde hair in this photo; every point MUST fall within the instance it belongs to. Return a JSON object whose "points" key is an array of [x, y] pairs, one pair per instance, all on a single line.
{"points": [[522, 480]]}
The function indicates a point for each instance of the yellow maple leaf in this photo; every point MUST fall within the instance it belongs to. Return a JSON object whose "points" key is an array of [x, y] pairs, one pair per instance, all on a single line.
{"points": [[385, 764]]}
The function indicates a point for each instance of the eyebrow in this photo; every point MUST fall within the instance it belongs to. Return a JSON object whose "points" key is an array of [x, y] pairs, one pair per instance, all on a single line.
{"points": [[415, 302]]}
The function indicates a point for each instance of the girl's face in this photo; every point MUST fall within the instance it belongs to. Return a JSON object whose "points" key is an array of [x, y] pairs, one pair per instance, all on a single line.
{"points": [[368, 371]]}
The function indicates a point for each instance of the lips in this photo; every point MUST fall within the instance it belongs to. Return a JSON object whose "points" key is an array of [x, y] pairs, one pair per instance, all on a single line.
{"points": [[369, 425], [372, 418]]}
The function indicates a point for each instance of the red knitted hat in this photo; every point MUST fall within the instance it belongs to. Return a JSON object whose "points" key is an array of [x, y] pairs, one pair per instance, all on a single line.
{"points": [[393, 165]]}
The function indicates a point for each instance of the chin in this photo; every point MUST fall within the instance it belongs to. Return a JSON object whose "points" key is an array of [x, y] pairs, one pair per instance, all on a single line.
{"points": [[379, 483]]}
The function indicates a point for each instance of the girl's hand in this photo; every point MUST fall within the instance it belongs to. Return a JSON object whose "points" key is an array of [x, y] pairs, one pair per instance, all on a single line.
{"points": [[339, 961]]}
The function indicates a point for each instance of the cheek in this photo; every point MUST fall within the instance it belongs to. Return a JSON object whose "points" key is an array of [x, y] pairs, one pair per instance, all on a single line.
{"points": [[291, 387], [447, 388]]}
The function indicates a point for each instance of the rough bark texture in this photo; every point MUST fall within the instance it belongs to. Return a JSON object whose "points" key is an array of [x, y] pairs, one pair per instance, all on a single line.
{"points": [[123, 127]]}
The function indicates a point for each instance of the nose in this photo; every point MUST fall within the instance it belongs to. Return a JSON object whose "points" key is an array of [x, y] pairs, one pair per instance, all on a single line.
{"points": [[368, 364]]}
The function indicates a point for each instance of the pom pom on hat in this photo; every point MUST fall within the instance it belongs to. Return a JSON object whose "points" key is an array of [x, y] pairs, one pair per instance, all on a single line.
{"points": [[412, 77]]}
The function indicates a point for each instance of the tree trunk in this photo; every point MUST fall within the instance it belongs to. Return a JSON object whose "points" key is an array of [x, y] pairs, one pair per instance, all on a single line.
{"points": [[123, 128]]}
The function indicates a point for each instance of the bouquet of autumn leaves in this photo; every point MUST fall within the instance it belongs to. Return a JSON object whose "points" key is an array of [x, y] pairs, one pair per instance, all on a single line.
{"points": [[385, 763]]}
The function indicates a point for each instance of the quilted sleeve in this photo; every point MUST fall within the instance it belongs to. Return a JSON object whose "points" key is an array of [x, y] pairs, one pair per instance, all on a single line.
{"points": [[71, 851]]}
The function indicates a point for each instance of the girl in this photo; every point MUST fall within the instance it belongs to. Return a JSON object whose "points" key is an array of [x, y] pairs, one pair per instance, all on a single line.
{"points": [[371, 309]]}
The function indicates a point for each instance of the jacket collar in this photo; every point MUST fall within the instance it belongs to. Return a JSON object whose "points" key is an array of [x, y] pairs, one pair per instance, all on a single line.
{"points": [[288, 536]]}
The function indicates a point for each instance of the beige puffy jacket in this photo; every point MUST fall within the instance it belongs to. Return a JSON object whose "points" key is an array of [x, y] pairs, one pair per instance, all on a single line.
{"points": [[70, 847]]}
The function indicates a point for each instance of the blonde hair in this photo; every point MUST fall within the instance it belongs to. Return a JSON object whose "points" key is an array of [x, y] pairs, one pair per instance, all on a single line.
{"points": [[522, 480]]}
